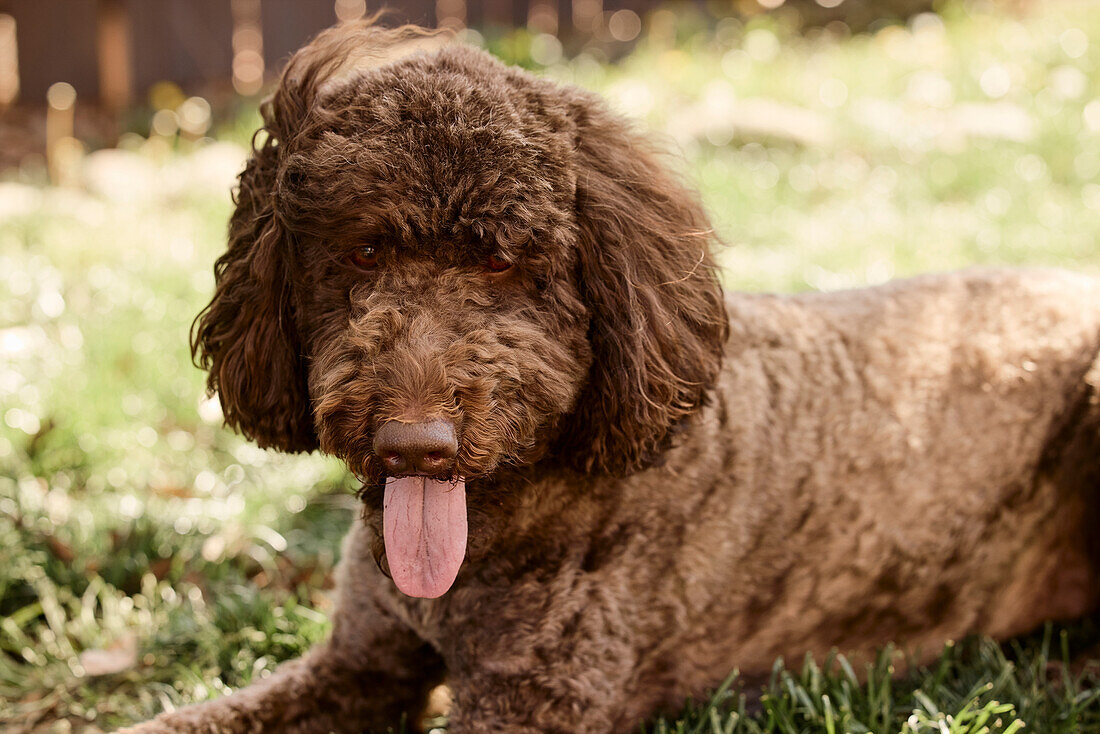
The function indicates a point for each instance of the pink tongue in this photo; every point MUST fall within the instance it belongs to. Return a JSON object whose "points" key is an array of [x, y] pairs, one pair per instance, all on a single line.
{"points": [[424, 526]]}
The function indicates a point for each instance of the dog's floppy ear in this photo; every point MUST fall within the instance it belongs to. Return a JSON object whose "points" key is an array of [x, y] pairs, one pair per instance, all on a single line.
{"points": [[246, 338], [658, 323]]}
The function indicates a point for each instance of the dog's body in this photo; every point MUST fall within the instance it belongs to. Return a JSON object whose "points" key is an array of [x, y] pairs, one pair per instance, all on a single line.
{"points": [[908, 463]]}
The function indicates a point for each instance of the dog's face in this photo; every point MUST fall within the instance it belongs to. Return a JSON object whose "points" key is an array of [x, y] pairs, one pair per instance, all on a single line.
{"points": [[441, 268], [435, 261]]}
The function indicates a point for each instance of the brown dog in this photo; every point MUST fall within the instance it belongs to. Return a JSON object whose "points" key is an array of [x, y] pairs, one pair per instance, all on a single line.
{"points": [[592, 484]]}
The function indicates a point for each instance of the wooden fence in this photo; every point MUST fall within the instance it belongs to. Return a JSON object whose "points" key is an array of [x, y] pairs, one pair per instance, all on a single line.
{"points": [[114, 50]]}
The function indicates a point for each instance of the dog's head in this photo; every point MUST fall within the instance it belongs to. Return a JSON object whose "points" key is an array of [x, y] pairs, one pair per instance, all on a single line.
{"points": [[440, 268]]}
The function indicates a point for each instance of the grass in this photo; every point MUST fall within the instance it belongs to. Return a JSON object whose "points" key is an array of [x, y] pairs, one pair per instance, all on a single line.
{"points": [[975, 687], [149, 558]]}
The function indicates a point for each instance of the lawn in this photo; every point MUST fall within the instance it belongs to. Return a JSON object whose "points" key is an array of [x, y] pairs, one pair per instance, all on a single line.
{"points": [[150, 558]]}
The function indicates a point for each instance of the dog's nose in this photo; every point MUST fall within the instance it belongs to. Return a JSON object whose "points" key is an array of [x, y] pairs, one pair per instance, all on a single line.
{"points": [[427, 447]]}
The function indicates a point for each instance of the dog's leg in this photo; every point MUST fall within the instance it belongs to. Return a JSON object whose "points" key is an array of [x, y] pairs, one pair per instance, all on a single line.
{"points": [[327, 690], [317, 693], [543, 673], [372, 671], [544, 701]]}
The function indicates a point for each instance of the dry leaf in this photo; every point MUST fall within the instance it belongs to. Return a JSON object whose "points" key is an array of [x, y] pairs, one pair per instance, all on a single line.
{"points": [[119, 656], [60, 550]]}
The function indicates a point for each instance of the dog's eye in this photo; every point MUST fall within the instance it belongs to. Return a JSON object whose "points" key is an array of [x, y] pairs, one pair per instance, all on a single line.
{"points": [[496, 264], [366, 258]]}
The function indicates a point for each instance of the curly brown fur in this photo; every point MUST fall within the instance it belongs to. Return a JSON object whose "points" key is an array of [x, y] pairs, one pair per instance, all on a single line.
{"points": [[661, 484]]}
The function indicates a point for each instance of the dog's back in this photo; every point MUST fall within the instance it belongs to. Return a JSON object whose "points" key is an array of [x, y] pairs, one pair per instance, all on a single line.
{"points": [[912, 463]]}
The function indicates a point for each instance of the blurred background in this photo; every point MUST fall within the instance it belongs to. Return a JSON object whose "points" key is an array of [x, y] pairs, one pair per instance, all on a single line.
{"points": [[149, 558]]}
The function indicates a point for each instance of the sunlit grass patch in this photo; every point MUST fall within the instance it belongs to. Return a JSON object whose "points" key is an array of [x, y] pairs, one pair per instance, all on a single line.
{"points": [[829, 162]]}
